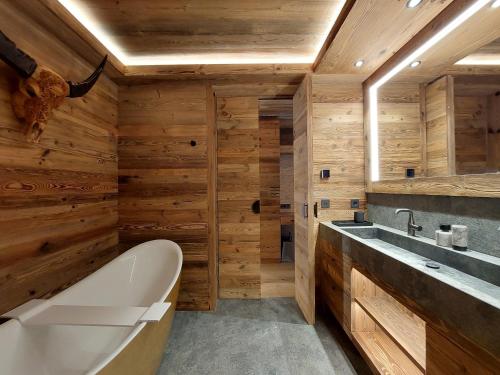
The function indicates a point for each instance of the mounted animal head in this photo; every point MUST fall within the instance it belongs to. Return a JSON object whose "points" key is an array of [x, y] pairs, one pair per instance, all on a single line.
{"points": [[40, 89]]}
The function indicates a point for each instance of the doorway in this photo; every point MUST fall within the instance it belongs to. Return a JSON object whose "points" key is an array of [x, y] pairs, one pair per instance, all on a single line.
{"points": [[255, 197]]}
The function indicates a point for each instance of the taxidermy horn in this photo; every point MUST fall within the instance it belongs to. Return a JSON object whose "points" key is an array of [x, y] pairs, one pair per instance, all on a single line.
{"points": [[22, 63], [40, 90], [79, 89]]}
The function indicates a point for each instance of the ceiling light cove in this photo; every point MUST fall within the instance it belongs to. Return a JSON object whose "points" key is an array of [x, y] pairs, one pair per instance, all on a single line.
{"points": [[496, 4], [82, 15]]}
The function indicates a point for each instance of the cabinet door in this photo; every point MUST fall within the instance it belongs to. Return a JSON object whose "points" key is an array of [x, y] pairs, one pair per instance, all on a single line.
{"points": [[238, 197], [303, 210]]}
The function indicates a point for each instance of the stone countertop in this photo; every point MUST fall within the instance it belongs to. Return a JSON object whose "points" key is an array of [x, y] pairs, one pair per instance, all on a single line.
{"points": [[445, 294]]}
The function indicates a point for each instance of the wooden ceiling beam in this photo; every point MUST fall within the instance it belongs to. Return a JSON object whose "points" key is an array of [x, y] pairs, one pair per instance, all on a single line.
{"points": [[333, 32]]}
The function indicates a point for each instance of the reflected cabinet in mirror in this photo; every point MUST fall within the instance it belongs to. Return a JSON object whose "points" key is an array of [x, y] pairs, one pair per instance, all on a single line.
{"points": [[433, 111]]}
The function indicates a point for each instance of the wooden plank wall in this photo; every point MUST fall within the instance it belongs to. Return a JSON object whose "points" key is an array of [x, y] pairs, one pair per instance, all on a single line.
{"points": [[440, 144], [58, 198], [494, 133], [477, 124], [238, 187], [338, 144], [400, 130], [163, 173], [269, 167]]}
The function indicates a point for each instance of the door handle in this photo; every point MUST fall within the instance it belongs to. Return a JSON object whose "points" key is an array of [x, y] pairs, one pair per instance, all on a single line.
{"points": [[306, 210], [315, 208], [256, 207]]}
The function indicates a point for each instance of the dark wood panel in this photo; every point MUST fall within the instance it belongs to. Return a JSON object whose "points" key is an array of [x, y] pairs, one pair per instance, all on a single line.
{"points": [[163, 177], [270, 221], [58, 198]]}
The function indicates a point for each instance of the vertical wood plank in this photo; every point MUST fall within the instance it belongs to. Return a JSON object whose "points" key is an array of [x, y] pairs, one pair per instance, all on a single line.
{"points": [[238, 189], [270, 222]]}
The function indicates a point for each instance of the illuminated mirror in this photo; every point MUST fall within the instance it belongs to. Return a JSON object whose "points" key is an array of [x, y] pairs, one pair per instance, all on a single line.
{"points": [[437, 113]]}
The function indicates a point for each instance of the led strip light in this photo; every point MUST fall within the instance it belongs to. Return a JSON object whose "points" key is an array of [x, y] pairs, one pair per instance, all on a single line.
{"points": [[75, 8], [373, 90]]}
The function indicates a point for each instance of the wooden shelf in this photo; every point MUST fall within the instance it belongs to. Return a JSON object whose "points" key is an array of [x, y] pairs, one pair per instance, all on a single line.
{"points": [[406, 329], [384, 354]]}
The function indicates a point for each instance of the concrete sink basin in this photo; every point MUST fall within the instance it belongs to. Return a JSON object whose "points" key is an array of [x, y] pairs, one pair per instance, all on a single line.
{"points": [[476, 264]]}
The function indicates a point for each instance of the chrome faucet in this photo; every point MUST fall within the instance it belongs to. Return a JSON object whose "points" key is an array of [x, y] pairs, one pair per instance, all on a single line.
{"points": [[412, 227]]}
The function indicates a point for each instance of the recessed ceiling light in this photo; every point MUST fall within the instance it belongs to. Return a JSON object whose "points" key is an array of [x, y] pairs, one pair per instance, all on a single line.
{"points": [[415, 64], [359, 63], [413, 3], [496, 4]]}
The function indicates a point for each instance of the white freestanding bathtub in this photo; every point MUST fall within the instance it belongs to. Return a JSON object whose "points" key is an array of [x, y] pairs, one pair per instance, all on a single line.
{"points": [[147, 273]]}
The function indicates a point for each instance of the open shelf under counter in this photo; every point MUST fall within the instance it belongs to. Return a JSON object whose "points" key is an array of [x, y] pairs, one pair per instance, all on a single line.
{"points": [[391, 337], [384, 354], [405, 328]]}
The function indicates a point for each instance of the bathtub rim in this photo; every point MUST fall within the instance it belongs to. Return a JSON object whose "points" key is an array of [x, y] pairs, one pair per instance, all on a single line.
{"points": [[136, 330]]}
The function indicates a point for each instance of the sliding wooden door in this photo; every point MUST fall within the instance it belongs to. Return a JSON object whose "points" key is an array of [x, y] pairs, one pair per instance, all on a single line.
{"points": [[238, 197], [270, 219], [303, 217]]}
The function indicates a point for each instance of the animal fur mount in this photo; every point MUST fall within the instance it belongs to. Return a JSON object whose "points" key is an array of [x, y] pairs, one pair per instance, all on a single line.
{"points": [[40, 90]]}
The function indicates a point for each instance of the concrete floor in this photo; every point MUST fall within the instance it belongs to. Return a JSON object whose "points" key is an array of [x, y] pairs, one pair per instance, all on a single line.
{"points": [[250, 337]]}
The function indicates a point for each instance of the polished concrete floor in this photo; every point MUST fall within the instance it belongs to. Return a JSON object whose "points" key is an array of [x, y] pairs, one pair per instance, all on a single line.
{"points": [[250, 337]]}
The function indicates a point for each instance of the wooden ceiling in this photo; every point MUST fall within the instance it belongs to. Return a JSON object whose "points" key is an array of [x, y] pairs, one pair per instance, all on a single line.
{"points": [[191, 31], [374, 31]]}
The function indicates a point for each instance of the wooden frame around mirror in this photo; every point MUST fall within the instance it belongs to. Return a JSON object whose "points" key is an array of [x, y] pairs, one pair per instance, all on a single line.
{"points": [[480, 185]]}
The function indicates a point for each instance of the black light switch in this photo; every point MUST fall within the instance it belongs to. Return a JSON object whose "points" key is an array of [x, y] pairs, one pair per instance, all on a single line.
{"points": [[325, 173]]}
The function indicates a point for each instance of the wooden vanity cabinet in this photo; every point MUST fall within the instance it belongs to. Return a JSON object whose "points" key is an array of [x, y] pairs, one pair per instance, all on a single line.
{"points": [[391, 337], [334, 281], [445, 357]]}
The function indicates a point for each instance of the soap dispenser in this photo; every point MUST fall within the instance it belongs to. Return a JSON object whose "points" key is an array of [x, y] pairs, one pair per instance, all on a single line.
{"points": [[444, 235]]}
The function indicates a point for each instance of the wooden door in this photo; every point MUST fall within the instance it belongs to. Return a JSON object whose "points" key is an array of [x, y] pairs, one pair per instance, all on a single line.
{"points": [[238, 196], [303, 210], [270, 220]]}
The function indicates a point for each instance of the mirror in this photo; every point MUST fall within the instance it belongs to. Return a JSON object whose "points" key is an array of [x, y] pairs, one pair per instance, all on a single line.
{"points": [[439, 115]]}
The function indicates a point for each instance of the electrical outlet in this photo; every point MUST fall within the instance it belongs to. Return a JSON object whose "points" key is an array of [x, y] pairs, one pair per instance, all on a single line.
{"points": [[354, 203], [325, 203]]}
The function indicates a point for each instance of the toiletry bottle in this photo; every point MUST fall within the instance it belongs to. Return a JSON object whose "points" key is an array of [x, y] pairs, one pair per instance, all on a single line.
{"points": [[459, 237], [444, 235]]}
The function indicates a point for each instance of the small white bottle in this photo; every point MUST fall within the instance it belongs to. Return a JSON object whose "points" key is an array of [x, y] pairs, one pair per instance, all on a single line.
{"points": [[459, 237], [443, 236]]}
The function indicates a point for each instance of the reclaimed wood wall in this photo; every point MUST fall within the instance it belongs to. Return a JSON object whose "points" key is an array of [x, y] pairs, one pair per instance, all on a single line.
{"points": [[164, 184], [338, 144], [400, 130], [440, 139], [238, 188], [58, 198], [477, 124]]}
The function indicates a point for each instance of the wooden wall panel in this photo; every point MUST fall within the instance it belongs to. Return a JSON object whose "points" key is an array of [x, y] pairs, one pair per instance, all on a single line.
{"points": [[238, 187], [163, 175], [269, 167], [471, 134], [400, 130], [58, 198], [338, 144], [440, 145]]}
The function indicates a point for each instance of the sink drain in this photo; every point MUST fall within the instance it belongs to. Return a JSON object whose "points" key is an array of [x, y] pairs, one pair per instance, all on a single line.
{"points": [[432, 265]]}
